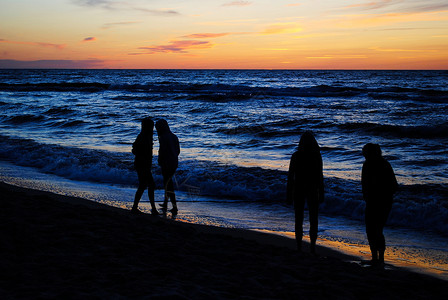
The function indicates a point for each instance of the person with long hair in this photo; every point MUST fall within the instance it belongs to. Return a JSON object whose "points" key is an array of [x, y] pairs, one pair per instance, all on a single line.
{"points": [[305, 184], [142, 149]]}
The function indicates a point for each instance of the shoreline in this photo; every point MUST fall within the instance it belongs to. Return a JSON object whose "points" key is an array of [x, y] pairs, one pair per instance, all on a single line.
{"points": [[60, 246], [429, 261]]}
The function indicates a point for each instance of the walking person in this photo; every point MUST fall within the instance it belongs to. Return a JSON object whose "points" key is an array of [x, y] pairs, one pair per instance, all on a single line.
{"points": [[168, 160], [142, 149], [305, 184], [378, 187]]}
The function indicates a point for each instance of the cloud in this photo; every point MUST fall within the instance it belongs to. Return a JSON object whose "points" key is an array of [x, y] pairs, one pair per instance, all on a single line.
{"points": [[110, 25], [177, 47], [40, 44], [51, 64], [293, 4], [280, 28], [122, 5], [400, 50], [374, 4], [94, 3], [328, 56], [168, 12], [89, 39], [372, 20], [238, 3], [402, 6], [205, 35], [430, 7]]}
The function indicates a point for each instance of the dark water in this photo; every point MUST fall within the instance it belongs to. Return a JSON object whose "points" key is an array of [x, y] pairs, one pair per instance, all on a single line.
{"points": [[238, 130]]}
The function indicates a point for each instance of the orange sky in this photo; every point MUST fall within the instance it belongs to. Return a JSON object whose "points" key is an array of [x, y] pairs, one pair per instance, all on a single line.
{"points": [[282, 34]]}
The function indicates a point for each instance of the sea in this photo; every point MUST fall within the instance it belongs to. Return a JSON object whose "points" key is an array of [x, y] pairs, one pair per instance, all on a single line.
{"points": [[71, 132]]}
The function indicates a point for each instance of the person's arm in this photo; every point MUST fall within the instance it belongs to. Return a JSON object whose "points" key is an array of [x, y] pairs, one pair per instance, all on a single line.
{"points": [[392, 179], [321, 181], [135, 146], [290, 182], [177, 146], [365, 181]]}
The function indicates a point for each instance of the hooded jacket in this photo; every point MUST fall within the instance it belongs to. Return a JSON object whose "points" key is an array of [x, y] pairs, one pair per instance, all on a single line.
{"points": [[377, 178], [169, 146]]}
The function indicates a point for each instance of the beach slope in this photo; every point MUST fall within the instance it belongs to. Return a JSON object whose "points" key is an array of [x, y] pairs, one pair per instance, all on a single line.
{"points": [[54, 246]]}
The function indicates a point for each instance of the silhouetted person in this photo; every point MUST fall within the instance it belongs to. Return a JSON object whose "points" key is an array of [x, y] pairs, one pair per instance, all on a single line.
{"points": [[168, 160], [142, 149], [378, 187], [305, 183]]}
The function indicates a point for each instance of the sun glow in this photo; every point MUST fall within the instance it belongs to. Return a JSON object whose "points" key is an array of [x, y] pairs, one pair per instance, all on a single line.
{"points": [[220, 34]]}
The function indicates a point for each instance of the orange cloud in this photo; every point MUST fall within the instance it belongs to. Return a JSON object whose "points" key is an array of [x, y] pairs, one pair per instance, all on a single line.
{"points": [[41, 44], [280, 28], [327, 56], [363, 20], [205, 35], [401, 50], [177, 47]]}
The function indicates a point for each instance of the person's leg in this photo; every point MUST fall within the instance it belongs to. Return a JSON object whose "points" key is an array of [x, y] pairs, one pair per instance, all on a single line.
{"points": [[142, 184], [299, 206], [381, 240], [371, 232], [313, 208], [138, 196], [169, 190], [165, 197], [151, 188]]}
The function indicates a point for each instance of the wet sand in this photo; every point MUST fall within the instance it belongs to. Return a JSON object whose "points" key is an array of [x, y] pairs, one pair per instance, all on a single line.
{"points": [[55, 246]]}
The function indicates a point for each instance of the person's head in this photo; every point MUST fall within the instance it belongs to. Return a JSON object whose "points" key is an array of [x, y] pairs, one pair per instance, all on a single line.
{"points": [[147, 125], [308, 143], [371, 151], [162, 126]]}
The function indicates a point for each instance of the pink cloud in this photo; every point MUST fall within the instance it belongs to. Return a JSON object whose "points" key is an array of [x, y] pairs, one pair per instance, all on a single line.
{"points": [[89, 39], [178, 47], [205, 35]]}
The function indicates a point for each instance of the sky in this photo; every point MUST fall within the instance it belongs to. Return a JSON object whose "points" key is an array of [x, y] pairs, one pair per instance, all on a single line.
{"points": [[224, 34]]}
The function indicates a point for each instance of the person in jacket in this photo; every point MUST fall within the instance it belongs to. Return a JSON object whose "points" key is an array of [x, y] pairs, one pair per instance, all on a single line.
{"points": [[168, 161], [305, 184], [378, 187], [142, 149]]}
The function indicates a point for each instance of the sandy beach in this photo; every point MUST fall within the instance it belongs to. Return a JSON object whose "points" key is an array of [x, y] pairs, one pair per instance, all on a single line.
{"points": [[55, 246]]}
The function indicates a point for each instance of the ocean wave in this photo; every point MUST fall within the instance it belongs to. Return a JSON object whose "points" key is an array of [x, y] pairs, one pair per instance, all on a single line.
{"points": [[54, 86], [26, 118], [278, 128], [42, 120], [433, 131], [234, 92], [58, 111], [417, 206]]}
